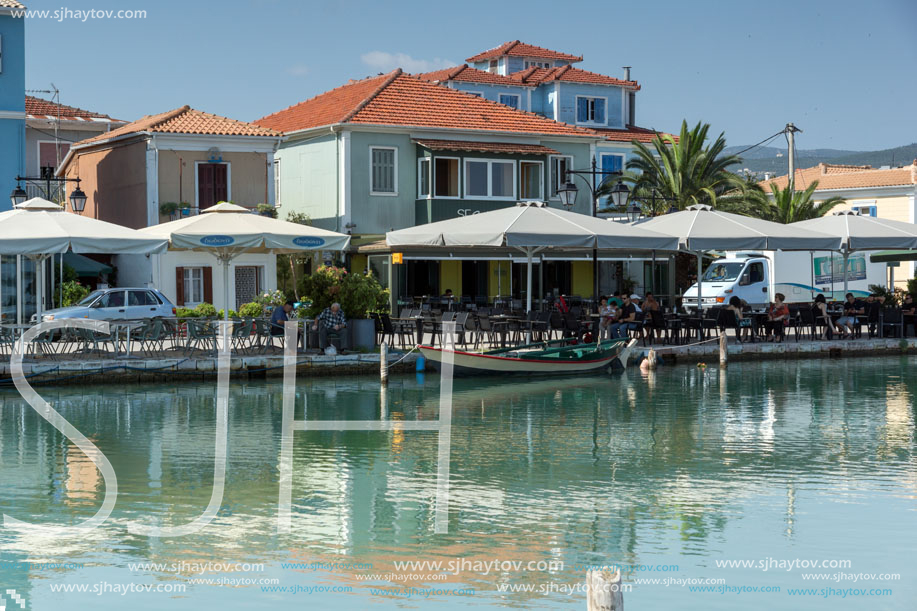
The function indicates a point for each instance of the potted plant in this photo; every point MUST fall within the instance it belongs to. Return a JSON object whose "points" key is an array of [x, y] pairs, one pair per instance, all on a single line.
{"points": [[266, 210], [168, 209], [358, 294], [184, 209]]}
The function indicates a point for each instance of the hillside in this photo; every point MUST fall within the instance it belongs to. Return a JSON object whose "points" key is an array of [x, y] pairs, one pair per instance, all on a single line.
{"points": [[773, 159]]}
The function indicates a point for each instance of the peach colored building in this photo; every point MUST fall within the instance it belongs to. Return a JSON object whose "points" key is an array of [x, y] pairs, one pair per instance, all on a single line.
{"points": [[138, 174]]}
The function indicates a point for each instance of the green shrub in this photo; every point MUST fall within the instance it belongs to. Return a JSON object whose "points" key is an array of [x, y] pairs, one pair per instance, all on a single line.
{"points": [[205, 310], [186, 313], [912, 286], [358, 294], [73, 291], [253, 309], [232, 314]]}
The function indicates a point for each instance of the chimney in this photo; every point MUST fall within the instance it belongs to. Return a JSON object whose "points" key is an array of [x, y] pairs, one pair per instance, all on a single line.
{"points": [[626, 73]]}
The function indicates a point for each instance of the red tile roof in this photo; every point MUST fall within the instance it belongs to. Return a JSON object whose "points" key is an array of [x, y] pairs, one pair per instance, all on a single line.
{"points": [[486, 147], [186, 120], [466, 74], [401, 99], [640, 134], [520, 49], [847, 177], [11, 4], [536, 76], [37, 108]]}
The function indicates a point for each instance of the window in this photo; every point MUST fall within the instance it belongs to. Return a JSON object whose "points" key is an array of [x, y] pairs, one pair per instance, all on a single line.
{"points": [[212, 184], [423, 177], [558, 173], [533, 64], [532, 183], [50, 155], [866, 209], [141, 298], [114, 299], [513, 100], [446, 177], [492, 67], [477, 94], [590, 110], [383, 170], [490, 179], [612, 163], [194, 285]]}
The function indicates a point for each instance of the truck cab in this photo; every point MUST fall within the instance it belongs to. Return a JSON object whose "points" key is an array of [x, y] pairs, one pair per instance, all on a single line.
{"points": [[743, 275]]}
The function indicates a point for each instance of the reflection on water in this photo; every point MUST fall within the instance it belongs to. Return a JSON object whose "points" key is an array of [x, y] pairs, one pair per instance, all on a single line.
{"points": [[680, 466]]}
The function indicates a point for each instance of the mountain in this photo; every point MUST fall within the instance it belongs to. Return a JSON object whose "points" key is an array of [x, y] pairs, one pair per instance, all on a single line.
{"points": [[773, 159]]}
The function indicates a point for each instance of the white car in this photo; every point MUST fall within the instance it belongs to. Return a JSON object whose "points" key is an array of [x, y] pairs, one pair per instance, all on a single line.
{"points": [[115, 304]]}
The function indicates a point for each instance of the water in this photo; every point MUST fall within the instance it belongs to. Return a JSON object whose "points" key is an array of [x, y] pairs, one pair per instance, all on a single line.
{"points": [[675, 472]]}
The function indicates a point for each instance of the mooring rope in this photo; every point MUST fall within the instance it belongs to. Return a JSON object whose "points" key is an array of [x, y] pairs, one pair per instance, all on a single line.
{"points": [[714, 339]]}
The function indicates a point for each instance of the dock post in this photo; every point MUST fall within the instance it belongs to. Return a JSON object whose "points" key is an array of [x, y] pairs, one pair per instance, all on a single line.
{"points": [[651, 359], [383, 363], [603, 590], [724, 351]]}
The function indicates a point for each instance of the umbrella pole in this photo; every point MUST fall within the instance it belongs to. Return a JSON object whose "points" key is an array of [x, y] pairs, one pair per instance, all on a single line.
{"points": [[700, 303], [846, 259]]}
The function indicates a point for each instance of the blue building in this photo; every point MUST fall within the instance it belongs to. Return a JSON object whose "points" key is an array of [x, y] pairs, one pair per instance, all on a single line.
{"points": [[546, 82], [12, 98]]}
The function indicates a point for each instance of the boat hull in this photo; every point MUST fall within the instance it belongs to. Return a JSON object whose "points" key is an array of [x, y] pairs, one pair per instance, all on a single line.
{"points": [[472, 363]]}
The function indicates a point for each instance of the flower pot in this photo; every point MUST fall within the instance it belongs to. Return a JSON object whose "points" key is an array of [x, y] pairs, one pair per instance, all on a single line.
{"points": [[362, 333]]}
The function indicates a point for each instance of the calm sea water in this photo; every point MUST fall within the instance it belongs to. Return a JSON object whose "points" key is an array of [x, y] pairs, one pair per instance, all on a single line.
{"points": [[669, 476]]}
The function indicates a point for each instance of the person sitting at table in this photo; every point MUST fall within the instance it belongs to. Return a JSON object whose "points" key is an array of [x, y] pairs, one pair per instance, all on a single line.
{"points": [[908, 314], [331, 322], [650, 303], [279, 316], [616, 299], [820, 315], [778, 313], [735, 306], [448, 295], [635, 299], [852, 309], [626, 319]]}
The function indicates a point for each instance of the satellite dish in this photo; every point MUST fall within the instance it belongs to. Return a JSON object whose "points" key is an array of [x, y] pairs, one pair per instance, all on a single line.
{"points": [[214, 155]]}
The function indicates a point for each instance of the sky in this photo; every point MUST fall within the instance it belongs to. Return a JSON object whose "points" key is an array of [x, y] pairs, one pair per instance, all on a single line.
{"points": [[842, 71]]}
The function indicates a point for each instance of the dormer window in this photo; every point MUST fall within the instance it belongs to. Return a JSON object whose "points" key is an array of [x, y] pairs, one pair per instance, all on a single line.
{"points": [[492, 67], [536, 64], [590, 110]]}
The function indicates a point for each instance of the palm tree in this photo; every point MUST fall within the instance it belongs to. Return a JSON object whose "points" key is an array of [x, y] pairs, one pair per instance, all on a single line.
{"points": [[789, 206], [683, 172]]}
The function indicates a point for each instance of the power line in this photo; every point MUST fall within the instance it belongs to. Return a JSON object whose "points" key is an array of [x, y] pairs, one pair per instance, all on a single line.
{"points": [[765, 141]]}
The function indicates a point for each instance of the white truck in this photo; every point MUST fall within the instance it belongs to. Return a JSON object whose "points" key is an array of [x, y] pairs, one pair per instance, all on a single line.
{"points": [[755, 277]]}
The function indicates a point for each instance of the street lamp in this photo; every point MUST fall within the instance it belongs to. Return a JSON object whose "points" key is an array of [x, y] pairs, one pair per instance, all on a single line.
{"points": [[77, 197], [568, 195], [18, 196], [77, 200], [633, 212]]}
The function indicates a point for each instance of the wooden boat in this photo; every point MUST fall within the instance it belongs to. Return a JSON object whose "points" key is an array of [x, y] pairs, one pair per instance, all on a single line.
{"points": [[546, 358]]}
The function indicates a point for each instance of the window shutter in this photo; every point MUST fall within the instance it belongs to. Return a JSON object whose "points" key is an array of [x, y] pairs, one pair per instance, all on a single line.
{"points": [[208, 284], [582, 110], [220, 183], [179, 286], [599, 111]]}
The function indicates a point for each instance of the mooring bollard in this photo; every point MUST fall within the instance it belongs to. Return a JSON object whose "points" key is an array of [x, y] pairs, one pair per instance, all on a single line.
{"points": [[651, 359], [603, 590], [724, 352], [383, 363]]}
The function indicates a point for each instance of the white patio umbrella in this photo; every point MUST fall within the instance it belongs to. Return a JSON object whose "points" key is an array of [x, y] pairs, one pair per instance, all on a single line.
{"points": [[39, 229], [700, 228], [858, 232], [227, 230], [531, 227]]}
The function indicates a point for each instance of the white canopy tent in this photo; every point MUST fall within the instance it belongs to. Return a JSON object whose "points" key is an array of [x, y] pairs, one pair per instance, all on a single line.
{"points": [[531, 227], [227, 230], [859, 232], [39, 229], [700, 228]]}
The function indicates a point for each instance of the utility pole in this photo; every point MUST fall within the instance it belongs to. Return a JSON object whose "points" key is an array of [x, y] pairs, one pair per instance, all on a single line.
{"points": [[790, 130]]}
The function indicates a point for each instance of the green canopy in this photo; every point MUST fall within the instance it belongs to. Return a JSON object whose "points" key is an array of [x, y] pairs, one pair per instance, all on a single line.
{"points": [[86, 267], [888, 256]]}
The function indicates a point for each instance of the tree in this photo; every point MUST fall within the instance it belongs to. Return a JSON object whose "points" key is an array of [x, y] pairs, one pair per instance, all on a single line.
{"points": [[683, 172], [286, 264], [789, 206]]}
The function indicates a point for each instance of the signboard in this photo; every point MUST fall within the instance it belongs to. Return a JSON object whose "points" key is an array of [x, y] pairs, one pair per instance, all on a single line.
{"points": [[309, 241], [217, 240], [397, 258], [829, 270]]}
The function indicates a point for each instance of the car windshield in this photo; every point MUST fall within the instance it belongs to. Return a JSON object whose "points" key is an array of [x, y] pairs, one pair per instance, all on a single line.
{"points": [[723, 272], [90, 298]]}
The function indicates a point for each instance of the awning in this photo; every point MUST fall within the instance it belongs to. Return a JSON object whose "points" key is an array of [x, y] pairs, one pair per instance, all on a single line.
{"points": [[486, 147], [86, 267], [890, 256]]}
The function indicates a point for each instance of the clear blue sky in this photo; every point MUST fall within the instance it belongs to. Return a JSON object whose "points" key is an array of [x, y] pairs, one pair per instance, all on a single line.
{"points": [[843, 71]]}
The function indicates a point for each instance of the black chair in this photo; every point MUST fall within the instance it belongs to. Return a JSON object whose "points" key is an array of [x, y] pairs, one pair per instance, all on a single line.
{"points": [[483, 332], [806, 322], [377, 323], [729, 320], [892, 323], [874, 319]]}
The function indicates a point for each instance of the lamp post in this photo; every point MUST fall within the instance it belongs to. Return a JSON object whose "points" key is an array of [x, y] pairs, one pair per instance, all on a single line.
{"points": [[77, 197], [568, 197]]}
